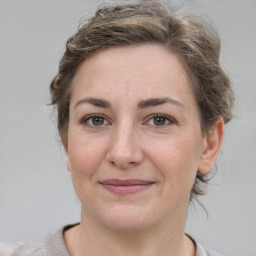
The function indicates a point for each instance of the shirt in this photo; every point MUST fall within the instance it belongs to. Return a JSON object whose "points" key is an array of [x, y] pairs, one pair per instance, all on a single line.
{"points": [[54, 245]]}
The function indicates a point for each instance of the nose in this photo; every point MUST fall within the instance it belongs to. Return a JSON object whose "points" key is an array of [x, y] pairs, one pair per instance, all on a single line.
{"points": [[125, 150]]}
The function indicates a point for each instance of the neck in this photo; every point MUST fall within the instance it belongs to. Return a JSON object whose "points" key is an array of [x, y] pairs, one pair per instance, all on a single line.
{"points": [[163, 239]]}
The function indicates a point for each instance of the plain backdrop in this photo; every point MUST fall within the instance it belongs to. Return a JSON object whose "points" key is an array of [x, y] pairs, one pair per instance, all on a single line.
{"points": [[36, 194]]}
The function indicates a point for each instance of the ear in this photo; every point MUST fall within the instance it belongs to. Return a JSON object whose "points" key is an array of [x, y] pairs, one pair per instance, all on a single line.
{"points": [[211, 146], [67, 157]]}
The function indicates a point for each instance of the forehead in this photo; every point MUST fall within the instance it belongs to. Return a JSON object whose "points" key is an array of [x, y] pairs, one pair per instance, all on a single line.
{"points": [[146, 69]]}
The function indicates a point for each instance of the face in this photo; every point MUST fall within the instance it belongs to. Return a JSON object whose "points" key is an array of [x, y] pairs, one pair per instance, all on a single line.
{"points": [[134, 138]]}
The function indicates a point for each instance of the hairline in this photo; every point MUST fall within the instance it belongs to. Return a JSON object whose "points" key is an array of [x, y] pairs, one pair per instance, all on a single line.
{"points": [[191, 76]]}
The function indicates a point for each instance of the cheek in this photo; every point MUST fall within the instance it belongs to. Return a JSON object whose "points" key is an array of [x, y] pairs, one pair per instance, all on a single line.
{"points": [[177, 161], [85, 155]]}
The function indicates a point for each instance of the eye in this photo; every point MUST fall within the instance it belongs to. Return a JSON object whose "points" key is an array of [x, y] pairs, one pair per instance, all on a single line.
{"points": [[160, 120], [95, 121]]}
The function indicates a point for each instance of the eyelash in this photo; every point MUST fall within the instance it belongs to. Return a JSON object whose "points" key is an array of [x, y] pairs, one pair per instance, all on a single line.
{"points": [[85, 120], [165, 117]]}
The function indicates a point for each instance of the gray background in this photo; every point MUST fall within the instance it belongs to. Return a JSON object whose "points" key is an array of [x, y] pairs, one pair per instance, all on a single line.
{"points": [[36, 195]]}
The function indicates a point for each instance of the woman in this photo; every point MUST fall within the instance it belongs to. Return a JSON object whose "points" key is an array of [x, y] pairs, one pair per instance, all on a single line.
{"points": [[142, 102]]}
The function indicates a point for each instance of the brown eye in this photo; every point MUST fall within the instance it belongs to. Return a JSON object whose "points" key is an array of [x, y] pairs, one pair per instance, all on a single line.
{"points": [[159, 120], [97, 120], [94, 121]]}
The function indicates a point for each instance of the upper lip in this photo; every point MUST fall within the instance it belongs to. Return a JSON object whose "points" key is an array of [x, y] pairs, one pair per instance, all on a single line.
{"points": [[128, 182]]}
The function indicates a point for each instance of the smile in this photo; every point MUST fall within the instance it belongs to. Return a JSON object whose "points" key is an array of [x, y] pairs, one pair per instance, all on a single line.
{"points": [[130, 186]]}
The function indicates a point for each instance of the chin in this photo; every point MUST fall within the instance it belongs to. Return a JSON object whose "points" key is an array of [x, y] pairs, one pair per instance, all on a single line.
{"points": [[125, 218]]}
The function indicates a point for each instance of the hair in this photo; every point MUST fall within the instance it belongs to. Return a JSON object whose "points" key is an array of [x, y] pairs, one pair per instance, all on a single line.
{"points": [[126, 24]]}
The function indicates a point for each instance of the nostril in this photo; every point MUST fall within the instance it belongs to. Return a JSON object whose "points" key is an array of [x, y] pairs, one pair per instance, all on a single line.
{"points": [[123, 165], [123, 154]]}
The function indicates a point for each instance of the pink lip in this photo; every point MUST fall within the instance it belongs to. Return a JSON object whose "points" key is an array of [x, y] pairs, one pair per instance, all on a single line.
{"points": [[130, 186]]}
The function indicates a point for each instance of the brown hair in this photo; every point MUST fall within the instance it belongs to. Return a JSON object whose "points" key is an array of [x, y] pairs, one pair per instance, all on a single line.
{"points": [[125, 24]]}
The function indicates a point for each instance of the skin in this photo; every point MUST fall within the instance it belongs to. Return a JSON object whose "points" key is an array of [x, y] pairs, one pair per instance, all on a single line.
{"points": [[126, 141]]}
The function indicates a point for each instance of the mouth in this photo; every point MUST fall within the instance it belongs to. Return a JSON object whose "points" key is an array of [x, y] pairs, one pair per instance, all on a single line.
{"points": [[129, 186]]}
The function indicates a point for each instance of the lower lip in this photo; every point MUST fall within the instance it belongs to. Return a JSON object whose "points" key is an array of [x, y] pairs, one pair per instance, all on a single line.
{"points": [[126, 189]]}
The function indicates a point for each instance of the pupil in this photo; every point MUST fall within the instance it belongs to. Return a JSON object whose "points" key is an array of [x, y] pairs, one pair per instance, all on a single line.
{"points": [[159, 120], [97, 120]]}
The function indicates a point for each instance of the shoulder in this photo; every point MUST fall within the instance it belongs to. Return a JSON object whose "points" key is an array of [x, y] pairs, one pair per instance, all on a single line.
{"points": [[32, 247], [203, 251], [53, 244]]}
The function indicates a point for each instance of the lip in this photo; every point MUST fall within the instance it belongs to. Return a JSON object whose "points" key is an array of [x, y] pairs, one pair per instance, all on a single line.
{"points": [[129, 186]]}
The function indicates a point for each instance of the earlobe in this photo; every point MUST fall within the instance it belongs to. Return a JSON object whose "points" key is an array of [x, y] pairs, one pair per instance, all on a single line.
{"points": [[67, 158], [64, 139], [212, 143]]}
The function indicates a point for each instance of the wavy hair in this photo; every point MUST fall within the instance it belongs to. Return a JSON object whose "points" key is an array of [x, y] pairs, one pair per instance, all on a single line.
{"points": [[126, 24]]}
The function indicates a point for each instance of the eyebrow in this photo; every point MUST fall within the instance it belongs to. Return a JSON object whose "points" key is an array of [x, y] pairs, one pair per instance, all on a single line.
{"points": [[159, 101], [98, 102], [94, 101]]}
